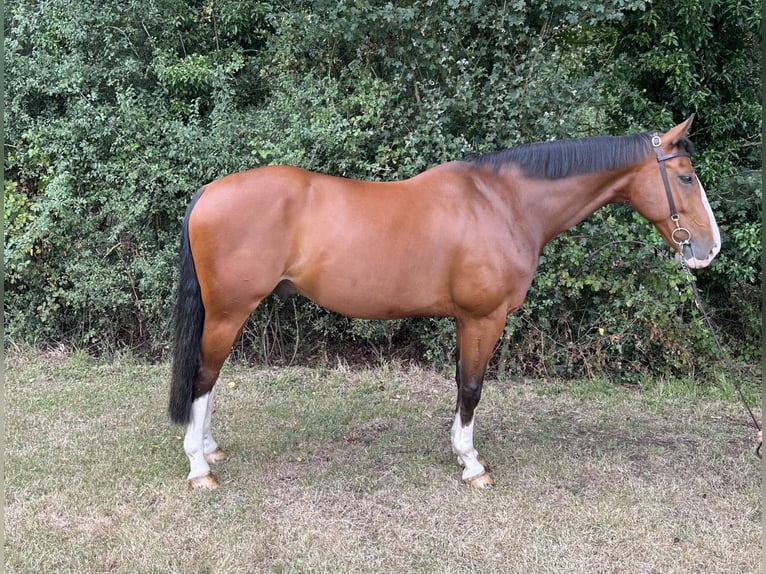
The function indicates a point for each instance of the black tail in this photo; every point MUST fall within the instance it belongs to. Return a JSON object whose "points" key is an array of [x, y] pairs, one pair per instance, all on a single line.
{"points": [[188, 317]]}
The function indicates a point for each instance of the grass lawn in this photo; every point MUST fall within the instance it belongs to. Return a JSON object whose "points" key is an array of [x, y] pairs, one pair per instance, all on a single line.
{"points": [[349, 470]]}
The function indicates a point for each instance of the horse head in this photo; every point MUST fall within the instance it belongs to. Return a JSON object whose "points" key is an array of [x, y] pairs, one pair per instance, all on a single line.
{"points": [[669, 194]]}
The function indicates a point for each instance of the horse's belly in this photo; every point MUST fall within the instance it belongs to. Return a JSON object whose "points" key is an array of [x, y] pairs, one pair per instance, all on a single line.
{"points": [[374, 308], [373, 297]]}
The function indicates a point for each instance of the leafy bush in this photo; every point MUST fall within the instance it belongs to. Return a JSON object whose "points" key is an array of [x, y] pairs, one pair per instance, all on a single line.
{"points": [[117, 113]]}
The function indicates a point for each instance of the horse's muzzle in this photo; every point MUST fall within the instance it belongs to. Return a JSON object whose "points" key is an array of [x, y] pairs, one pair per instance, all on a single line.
{"points": [[690, 251]]}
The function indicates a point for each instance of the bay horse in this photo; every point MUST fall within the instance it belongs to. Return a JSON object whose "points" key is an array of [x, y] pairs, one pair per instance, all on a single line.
{"points": [[460, 240]]}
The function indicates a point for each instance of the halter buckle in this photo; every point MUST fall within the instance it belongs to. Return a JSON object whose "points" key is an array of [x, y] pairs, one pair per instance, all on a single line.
{"points": [[656, 141]]}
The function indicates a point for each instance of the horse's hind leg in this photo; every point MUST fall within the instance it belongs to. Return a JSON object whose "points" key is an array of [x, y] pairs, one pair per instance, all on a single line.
{"points": [[210, 448], [218, 336], [200, 476]]}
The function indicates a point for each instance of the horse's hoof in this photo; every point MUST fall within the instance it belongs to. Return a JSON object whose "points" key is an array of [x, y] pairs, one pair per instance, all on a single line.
{"points": [[483, 480], [206, 482], [216, 456], [483, 462]]}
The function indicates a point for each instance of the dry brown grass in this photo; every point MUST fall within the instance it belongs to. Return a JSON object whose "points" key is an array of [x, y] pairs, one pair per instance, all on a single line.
{"points": [[340, 470]]}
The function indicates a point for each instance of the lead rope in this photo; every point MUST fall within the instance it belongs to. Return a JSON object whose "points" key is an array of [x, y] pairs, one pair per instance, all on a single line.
{"points": [[682, 237], [709, 325]]}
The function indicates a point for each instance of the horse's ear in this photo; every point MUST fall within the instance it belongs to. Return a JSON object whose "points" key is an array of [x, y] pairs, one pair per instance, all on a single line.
{"points": [[676, 134]]}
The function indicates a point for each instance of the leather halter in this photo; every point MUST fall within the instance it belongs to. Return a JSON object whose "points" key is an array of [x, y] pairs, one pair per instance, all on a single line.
{"points": [[678, 232]]}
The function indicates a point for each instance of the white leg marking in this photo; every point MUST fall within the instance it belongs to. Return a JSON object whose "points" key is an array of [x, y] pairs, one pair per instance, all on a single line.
{"points": [[194, 438], [208, 443], [462, 446]]}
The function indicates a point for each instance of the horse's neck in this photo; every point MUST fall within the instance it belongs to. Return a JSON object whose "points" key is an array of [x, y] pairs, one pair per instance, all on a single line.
{"points": [[558, 205]]}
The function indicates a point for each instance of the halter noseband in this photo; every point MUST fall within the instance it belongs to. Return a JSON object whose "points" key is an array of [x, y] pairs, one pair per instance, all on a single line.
{"points": [[683, 241]]}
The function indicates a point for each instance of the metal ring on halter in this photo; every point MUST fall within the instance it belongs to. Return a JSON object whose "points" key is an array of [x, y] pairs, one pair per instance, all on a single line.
{"points": [[684, 241]]}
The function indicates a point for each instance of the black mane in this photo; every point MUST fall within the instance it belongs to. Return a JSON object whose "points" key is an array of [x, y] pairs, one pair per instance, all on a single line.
{"points": [[558, 159]]}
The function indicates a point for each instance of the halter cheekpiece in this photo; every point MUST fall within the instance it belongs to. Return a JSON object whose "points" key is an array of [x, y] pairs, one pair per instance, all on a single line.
{"points": [[680, 235]]}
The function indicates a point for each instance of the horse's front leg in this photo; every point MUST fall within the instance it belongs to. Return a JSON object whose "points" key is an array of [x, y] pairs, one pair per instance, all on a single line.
{"points": [[476, 471], [476, 341]]}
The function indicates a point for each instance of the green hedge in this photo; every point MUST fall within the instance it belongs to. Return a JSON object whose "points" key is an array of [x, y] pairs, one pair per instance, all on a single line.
{"points": [[117, 112]]}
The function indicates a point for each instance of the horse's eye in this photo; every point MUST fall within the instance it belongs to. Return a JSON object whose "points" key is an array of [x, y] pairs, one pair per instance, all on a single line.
{"points": [[686, 179]]}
